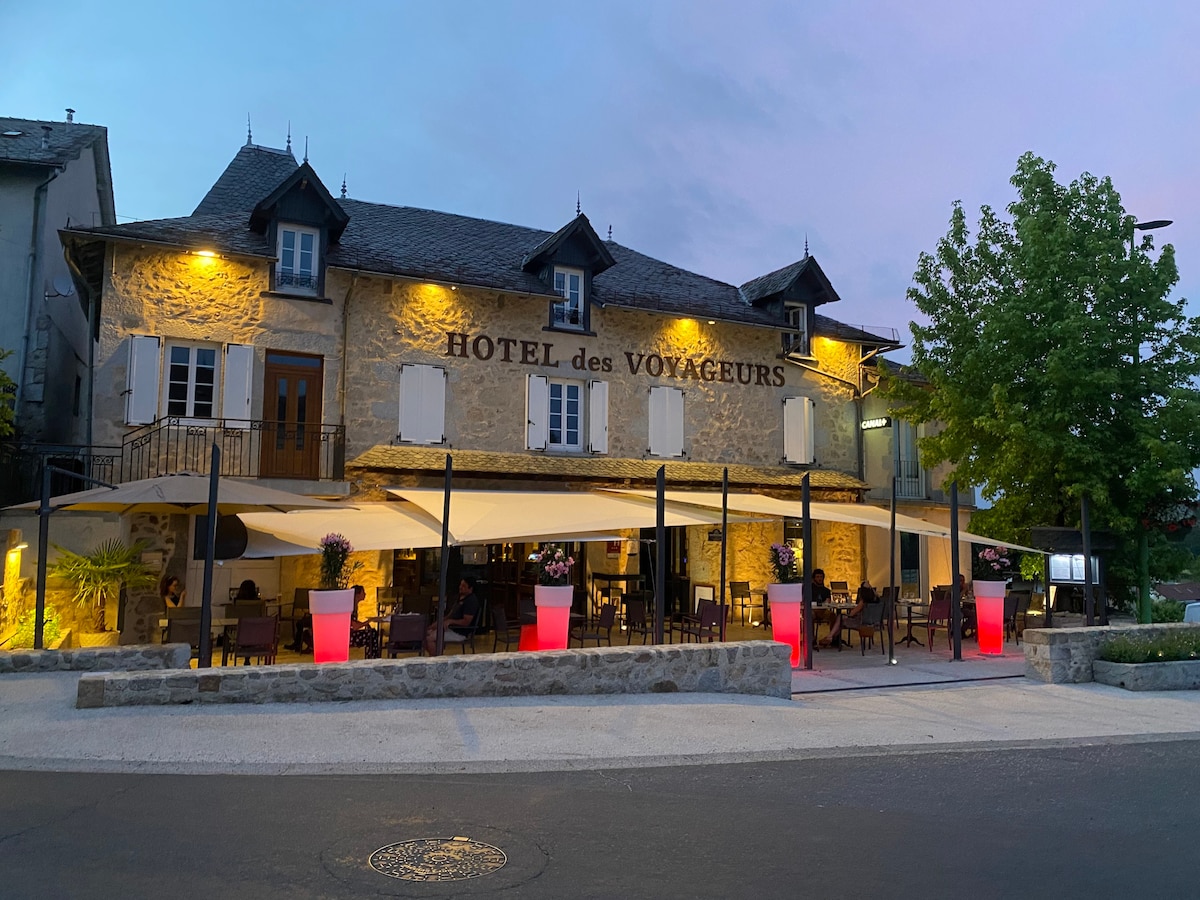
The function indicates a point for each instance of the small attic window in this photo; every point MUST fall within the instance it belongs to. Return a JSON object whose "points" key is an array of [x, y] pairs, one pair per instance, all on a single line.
{"points": [[568, 312], [13, 133], [795, 340], [298, 268]]}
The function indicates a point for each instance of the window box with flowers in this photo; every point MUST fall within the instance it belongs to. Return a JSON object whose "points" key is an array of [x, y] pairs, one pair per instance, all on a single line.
{"points": [[992, 569], [785, 597], [333, 605], [553, 595]]}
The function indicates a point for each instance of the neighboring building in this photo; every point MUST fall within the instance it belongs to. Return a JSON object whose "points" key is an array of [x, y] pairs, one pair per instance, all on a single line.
{"points": [[337, 347], [53, 175]]}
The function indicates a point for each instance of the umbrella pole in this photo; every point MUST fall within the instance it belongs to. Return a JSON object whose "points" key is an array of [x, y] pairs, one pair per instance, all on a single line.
{"points": [[810, 629], [955, 593], [724, 527], [39, 610], [445, 574], [660, 561], [210, 551]]}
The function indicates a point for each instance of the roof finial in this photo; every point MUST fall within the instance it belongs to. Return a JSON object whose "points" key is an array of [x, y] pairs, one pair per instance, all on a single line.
{"points": [[610, 232], [578, 209], [306, 148], [806, 244], [343, 185], [289, 143], [249, 136]]}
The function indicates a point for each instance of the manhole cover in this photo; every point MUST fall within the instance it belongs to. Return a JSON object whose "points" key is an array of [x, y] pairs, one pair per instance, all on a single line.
{"points": [[437, 859]]}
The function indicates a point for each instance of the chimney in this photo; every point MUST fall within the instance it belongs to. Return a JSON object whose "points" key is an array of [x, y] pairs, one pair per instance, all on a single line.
{"points": [[46, 129], [70, 114]]}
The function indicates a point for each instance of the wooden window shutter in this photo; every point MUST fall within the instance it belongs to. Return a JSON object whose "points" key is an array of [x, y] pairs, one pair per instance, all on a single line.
{"points": [[598, 416], [141, 380], [799, 438], [236, 390], [537, 412], [666, 421], [422, 404]]}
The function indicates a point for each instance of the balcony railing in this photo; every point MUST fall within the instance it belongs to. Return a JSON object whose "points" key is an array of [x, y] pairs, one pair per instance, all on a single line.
{"points": [[249, 449], [910, 480], [21, 468]]}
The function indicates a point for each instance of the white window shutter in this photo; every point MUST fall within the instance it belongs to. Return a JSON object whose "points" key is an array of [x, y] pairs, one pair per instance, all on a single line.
{"points": [[666, 421], [237, 390], [422, 404], [598, 416], [799, 438], [141, 380], [537, 413]]}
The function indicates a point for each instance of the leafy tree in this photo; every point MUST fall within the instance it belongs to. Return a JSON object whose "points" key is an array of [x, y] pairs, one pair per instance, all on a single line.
{"points": [[8, 393], [1059, 368]]}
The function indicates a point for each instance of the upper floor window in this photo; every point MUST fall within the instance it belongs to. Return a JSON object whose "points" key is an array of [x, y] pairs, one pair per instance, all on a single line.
{"points": [[191, 388], [568, 312], [910, 477], [298, 252], [566, 415], [796, 339]]}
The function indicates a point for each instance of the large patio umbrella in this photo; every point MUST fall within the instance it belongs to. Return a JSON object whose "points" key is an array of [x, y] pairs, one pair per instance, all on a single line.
{"points": [[185, 493]]}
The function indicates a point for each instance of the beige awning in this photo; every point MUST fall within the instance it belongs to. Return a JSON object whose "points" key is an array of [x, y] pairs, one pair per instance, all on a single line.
{"points": [[851, 513], [481, 517], [370, 526]]}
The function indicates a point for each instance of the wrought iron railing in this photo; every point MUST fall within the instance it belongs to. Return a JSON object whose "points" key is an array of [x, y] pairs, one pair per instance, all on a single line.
{"points": [[249, 449], [285, 278], [910, 480], [21, 465]]}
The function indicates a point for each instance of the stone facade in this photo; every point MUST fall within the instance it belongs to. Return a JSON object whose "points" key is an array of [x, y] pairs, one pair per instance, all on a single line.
{"points": [[1066, 655], [97, 659], [750, 667], [1178, 675]]}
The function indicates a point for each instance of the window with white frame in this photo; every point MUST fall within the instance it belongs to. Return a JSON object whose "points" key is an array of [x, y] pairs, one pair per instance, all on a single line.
{"points": [[566, 415], [796, 339], [191, 381], [194, 378], [910, 477], [298, 250], [568, 312]]}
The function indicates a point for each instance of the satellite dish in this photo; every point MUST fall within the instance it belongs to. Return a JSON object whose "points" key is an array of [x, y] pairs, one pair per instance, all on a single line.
{"points": [[63, 286]]}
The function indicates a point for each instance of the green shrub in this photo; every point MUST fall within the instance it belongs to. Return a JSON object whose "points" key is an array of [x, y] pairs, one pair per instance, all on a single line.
{"points": [[1166, 648], [22, 638], [1166, 611]]}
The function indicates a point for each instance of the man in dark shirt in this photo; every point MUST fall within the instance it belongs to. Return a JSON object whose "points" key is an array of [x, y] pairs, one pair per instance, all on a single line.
{"points": [[460, 621]]}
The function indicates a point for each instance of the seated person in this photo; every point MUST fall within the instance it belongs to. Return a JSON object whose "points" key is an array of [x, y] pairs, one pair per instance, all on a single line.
{"points": [[851, 619], [362, 634], [172, 592], [246, 591], [459, 621]]}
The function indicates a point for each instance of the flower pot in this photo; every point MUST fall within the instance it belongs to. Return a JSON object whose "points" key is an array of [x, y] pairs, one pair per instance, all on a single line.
{"points": [[787, 607], [331, 624], [97, 639], [989, 615], [553, 604]]}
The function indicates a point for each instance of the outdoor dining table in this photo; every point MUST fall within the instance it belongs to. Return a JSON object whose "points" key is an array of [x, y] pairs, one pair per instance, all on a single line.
{"points": [[909, 605]]}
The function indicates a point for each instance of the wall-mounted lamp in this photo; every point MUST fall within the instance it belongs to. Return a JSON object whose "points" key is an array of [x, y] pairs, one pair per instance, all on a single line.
{"points": [[712, 321], [715, 534], [208, 254], [21, 546]]}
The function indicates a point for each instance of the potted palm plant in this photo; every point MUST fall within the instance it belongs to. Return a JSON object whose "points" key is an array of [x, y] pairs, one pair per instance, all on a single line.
{"points": [[97, 578]]}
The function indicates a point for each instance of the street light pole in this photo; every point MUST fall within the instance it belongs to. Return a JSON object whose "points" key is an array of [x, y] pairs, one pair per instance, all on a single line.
{"points": [[1143, 537]]}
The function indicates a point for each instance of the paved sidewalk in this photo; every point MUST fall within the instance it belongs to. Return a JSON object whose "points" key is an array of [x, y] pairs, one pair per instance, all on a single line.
{"points": [[41, 729]]}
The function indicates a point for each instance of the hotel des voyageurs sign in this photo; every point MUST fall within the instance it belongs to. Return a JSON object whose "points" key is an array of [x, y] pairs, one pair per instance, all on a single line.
{"points": [[485, 348]]}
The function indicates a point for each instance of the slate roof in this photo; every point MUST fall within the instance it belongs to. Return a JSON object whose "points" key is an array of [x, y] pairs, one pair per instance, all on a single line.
{"points": [[253, 174], [444, 247], [883, 337], [66, 141], [594, 469]]}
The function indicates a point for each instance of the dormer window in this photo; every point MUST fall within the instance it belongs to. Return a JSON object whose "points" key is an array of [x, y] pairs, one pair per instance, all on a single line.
{"points": [[568, 312], [795, 340], [298, 250]]}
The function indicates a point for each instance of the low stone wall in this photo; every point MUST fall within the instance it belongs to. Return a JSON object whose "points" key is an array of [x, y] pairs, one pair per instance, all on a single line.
{"points": [[1178, 675], [98, 659], [1065, 655], [747, 667]]}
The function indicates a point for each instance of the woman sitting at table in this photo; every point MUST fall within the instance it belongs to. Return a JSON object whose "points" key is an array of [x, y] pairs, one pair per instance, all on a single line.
{"points": [[172, 592], [362, 634], [851, 619]]}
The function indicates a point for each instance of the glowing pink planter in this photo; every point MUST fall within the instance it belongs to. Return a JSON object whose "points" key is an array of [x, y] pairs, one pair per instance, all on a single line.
{"points": [[331, 624], [787, 607], [553, 604], [989, 615]]}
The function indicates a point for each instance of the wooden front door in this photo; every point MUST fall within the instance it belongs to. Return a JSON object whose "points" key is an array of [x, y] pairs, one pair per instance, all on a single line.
{"points": [[291, 434]]}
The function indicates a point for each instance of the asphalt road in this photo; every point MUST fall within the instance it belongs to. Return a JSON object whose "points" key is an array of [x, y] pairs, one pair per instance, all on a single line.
{"points": [[1111, 820]]}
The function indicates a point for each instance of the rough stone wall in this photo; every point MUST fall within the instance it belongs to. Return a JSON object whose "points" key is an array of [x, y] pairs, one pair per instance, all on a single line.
{"points": [[749, 667], [1065, 655], [206, 300], [839, 551], [168, 535], [1178, 675], [396, 322], [97, 659]]}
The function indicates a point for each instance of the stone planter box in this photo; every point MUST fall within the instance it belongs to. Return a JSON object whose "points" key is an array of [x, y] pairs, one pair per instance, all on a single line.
{"points": [[1179, 675], [132, 658], [1068, 655]]}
